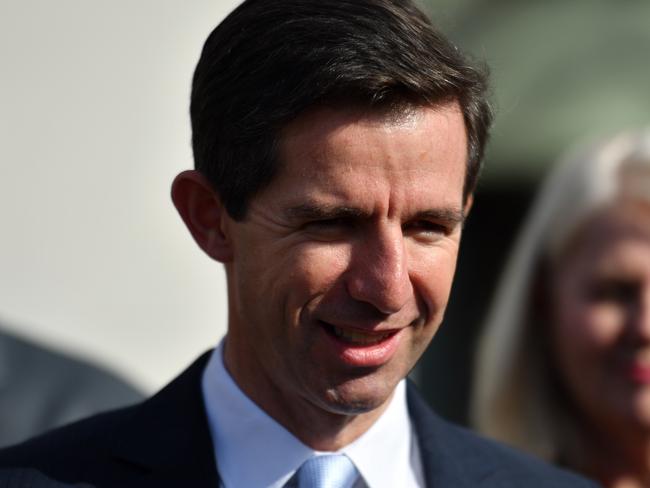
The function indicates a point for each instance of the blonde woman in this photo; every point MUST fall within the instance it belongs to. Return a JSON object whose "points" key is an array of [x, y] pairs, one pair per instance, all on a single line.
{"points": [[563, 367]]}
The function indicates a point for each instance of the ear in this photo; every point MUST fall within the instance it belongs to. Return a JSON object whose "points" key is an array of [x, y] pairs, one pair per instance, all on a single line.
{"points": [[469, 201], [203, 213]]}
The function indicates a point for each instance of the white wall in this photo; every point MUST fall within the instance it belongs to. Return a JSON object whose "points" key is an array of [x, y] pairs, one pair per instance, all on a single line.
{"points": [[94, 125]]}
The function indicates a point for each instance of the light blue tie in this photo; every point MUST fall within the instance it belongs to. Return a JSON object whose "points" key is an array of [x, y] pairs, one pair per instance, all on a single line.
{"points": [[327, 471]]}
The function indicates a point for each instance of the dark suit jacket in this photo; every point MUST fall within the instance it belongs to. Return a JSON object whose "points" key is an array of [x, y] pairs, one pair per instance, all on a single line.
{"points": [[165, 442], [30, 478]]}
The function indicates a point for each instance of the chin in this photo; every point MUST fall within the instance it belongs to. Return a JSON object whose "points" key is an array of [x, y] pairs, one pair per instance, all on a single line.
{"points": [[361, 395], [641, 409]]}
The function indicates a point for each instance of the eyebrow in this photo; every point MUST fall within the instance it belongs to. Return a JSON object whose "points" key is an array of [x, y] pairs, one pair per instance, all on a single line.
{"points": [[310, 211], [449, 216]]}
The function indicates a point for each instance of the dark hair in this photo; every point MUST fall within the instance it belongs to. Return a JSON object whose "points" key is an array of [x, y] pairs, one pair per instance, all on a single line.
{"points": [[270, 61]]}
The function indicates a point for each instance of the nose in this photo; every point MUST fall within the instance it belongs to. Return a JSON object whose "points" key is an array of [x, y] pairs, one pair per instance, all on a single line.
{"points": [[641, 314], [379, 272], [644, 310]]}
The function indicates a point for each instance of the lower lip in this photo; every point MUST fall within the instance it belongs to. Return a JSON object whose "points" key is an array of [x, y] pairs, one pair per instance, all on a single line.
{"points": [[362, 355], [638, 374]]}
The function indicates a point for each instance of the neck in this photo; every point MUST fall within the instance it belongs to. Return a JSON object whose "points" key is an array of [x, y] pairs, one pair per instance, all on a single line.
{"points": [[615, 461], [322, 430], [315, 425]]}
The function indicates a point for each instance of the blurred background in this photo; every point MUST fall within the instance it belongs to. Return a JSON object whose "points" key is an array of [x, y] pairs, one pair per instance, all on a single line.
{"points": [[94, 125], [562, 72]]}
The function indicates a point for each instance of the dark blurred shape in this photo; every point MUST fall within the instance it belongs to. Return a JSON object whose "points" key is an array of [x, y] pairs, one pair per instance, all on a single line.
{"points": [[444, 372], [31, 478], [42, 389], [561, 71]]}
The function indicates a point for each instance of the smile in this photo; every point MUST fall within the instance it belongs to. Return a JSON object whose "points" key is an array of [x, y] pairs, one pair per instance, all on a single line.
{"points": [[360, 347], [358, 337]]}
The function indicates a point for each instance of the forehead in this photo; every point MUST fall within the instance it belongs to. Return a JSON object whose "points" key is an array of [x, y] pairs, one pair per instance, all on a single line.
{"points": [[422, 149], [622, 220], [613, 236], [332, 126]]}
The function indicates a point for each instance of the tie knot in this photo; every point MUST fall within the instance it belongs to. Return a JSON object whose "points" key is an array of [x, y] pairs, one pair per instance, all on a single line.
{"points": [[327, 471]]}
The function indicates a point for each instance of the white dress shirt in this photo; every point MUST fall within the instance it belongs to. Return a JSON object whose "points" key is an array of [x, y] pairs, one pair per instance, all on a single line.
{"points": [[252, 450]]}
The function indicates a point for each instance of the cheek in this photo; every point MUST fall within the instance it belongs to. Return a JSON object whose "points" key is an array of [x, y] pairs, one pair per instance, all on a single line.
{"points": [[604, 323], [309, 273], [432, 273], [583, 327], [317, 266], [585, 341]]}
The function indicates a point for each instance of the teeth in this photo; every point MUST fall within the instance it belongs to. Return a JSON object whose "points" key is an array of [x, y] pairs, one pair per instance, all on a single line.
{"points": [[358, 337]]}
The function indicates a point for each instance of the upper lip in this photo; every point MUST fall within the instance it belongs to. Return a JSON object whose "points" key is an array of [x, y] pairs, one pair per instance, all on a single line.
{"points": [[638, 365], [640, 358], [366, 328]]}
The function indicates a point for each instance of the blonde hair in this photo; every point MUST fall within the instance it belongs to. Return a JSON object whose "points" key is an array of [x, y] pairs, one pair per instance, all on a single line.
{"points": [[513, 397]]}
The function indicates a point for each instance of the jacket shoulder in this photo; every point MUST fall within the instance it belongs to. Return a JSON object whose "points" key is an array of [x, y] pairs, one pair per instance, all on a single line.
{"points": [[496, 464], [452, 452], [164, 437], [30, 478], [68, 452]]}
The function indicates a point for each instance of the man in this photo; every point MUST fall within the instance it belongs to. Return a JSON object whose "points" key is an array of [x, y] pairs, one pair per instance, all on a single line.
{"points": [[336, 144]]}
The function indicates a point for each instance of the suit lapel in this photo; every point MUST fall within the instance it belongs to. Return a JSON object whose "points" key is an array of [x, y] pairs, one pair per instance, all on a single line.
{"points": [[440, 461], [168, 439]]}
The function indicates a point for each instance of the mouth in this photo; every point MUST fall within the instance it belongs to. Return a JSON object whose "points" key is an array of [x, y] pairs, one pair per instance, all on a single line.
{"points": [[638, 372], [358, 347], [357, 337]]}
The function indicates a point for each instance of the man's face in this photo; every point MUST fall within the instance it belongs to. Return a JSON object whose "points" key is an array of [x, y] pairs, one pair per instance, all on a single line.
{"points": [[342, 268]]}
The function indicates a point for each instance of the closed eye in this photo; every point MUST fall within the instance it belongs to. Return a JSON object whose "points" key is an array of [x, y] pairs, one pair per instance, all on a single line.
{"points": [[613, 290], [434, 224], [329, 229], [426, 227]]}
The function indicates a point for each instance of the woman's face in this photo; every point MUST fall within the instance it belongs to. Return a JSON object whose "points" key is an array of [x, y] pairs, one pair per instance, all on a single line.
{"points": [[600, 290]]}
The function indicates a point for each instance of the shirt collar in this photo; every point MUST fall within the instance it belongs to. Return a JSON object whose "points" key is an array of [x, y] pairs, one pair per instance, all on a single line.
{"points": [[252, 449], [386, 455]]}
